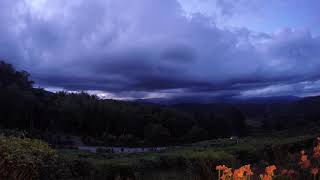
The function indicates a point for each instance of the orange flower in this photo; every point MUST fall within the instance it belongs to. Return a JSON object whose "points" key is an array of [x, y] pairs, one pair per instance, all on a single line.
{"points": [[304, 158], [270, 170], [265, 177], [221, 167], [314, 171], [225, 177], [284, 172], [227, 174], [316, 151], [305, 163], [238, 174], [247, 170]]}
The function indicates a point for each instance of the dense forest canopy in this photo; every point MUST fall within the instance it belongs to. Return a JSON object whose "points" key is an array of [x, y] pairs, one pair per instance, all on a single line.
{"points": [[33, 109], [36, 110]]}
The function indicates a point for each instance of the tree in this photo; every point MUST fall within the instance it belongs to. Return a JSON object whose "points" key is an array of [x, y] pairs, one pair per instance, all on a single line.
{"points": [[156, 133], [196, 133]]}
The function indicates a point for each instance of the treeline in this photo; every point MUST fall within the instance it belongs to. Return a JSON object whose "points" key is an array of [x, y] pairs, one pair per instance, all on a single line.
{"points": [[32, 109], [281, 115]]}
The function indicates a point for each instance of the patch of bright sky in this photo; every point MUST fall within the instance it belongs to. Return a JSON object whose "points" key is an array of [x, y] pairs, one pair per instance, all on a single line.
{"points": [[259, 15], [301, 89], [109, 95], [100, 94]]}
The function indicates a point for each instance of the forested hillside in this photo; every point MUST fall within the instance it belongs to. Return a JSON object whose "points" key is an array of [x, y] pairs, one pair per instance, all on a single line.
{"points": [[37, 110], [281, 115]]}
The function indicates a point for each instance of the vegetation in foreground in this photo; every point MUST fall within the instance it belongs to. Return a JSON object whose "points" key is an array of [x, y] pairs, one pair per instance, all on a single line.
{"points": [[305, 168], [34, 159], [23, 158], [45, 115]]}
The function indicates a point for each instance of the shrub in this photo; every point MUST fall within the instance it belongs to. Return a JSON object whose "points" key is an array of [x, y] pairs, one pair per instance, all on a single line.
{"points": [[23, 158]]}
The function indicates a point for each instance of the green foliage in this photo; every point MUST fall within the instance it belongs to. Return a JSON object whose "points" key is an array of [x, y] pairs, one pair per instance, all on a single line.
{"points": [[26, 159], [23, 158], [10, 78], [156, 133], [28, 155], [196, 133]]}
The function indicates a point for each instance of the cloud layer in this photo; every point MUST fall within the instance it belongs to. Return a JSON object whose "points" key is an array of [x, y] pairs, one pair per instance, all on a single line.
{"points": [[143, 48]]}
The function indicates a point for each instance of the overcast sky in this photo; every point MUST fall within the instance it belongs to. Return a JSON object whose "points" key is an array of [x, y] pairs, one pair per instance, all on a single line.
{"points": [[165, 48]]}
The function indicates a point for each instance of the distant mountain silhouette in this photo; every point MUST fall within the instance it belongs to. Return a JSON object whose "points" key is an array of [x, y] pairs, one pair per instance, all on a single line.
{"points": [[221, 99]]}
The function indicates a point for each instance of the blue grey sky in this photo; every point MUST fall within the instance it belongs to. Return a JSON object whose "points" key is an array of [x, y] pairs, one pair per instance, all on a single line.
{"points": [[165, 48], [259, 15]]}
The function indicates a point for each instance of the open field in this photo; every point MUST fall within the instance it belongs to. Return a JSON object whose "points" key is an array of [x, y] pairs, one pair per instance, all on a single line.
{"points": [[188, 161], [196, 160]]}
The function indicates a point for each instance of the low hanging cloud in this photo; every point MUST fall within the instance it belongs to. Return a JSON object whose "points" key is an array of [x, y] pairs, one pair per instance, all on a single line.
{"points": [[144, 48]]}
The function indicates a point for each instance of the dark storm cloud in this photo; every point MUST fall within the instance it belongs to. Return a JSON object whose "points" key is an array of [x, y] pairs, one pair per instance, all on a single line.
{"points": [[142, 47], [178, 53]]}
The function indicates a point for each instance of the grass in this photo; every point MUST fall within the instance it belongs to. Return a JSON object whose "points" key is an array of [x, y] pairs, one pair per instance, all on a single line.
{"points": [[191, 161], [154, 159], [195, 158]]}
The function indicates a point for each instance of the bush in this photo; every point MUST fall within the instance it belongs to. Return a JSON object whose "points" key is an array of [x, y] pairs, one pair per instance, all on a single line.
{"points": [[196, 133], [23, 158]]}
